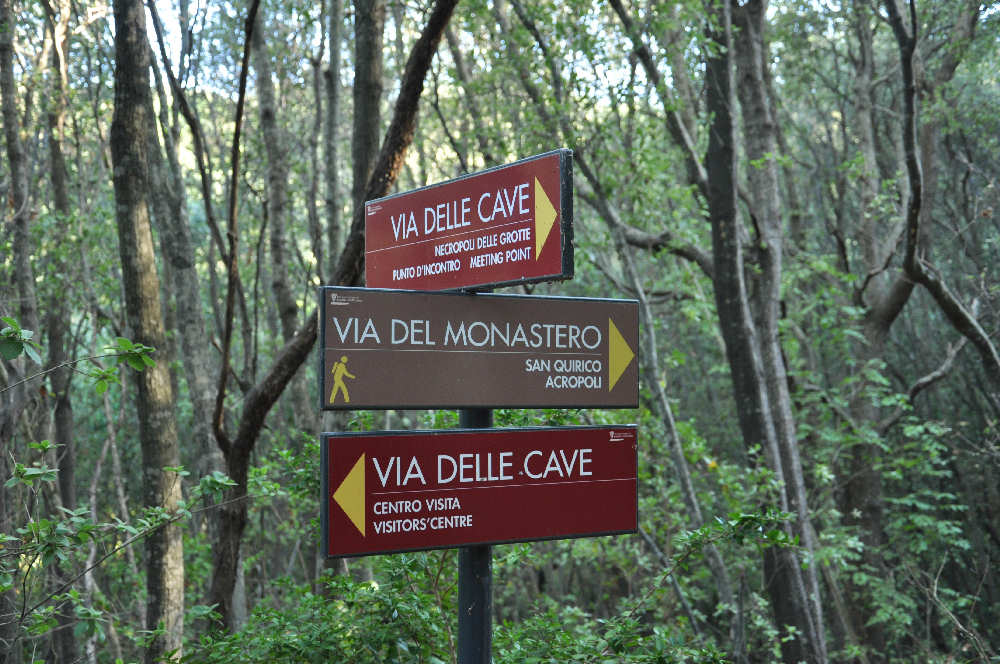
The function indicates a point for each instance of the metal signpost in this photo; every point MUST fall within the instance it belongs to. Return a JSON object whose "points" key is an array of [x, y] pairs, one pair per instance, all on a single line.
{"points": [[384, 347], [503, 226]]}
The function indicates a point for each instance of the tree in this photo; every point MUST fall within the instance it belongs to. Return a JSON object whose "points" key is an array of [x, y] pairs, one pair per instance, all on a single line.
{"points": [[263, 395], [154, 399], [14, 403], [752, 348], [827, 355]]}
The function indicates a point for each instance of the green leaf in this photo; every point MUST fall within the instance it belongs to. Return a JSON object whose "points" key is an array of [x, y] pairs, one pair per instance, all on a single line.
{"points": [[32, 353], [10, 348]]}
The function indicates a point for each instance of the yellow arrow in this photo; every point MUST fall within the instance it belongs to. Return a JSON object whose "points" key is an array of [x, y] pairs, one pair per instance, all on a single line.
{"points": [[619, 355], [545, 216], [350, 495]]}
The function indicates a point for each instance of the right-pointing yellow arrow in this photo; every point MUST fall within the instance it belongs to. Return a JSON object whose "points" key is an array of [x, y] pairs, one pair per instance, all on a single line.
{"points": [[619, 355], [545, 216], [350, 495]]}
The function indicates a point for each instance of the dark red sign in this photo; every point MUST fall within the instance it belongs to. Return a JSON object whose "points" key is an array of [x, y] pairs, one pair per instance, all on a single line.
{"points": [[417, 349], [506, 225], [402, 491]]}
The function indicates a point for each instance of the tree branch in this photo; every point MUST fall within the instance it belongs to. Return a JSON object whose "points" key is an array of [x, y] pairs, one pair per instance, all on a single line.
{"points": [[398, 137], [923, 383], [232, 269], [916, 266], [678, 131]]}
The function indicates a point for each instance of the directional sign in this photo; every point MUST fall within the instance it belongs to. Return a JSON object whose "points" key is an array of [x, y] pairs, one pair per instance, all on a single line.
{"points": [[506, 225], [400, 491], [414, 349]]}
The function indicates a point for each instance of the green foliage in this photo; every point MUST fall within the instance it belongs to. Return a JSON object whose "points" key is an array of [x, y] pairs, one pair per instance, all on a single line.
{"points": [[133, 354], [595, 599], [554, 634], [15, 340], [363, 622], [408, 614], [62, 541]]}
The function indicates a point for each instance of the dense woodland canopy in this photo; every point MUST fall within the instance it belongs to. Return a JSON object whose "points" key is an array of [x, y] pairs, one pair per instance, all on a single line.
{"points": [[802, 196]]}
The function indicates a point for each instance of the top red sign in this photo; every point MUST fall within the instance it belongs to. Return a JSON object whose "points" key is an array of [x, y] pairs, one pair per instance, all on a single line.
{"points": [[499, 227]]}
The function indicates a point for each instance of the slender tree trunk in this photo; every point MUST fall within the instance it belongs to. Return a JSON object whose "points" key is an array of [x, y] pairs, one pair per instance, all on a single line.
{"points": [[179, 252], [787, 589], [277, 182], [316, 235], [275, 146], [13, 402], [760, 132], [334, 207], [262, 396], [720, 573], [661, 405], [155, 401], [471, 104], [398, 137], [57, 320], [331, 79], [369, 25], [58, 316]]}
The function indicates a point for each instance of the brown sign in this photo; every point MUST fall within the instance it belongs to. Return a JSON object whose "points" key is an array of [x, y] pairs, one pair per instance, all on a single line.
{"points": [[506, 225], [405, 491], [416, 349]]}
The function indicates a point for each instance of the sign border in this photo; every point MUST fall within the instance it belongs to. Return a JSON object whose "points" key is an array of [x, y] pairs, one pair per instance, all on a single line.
{"points": [[324, 504], [565, 220], [321, 340]]}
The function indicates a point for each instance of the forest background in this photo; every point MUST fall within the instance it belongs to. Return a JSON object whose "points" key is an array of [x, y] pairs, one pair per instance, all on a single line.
{"points": [[802, 196]]}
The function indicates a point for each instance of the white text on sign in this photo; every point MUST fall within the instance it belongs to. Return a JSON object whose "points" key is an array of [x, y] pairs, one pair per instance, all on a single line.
{"points": [[477, 467], [503, 204]]}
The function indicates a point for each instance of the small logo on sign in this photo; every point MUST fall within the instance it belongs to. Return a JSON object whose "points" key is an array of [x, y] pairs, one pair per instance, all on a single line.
{"points": [[340, 300], [618, 436], [372, 209]]}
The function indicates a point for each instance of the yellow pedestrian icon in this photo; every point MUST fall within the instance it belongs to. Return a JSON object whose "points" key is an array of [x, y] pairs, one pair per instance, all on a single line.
{"points": [[340, 372]]}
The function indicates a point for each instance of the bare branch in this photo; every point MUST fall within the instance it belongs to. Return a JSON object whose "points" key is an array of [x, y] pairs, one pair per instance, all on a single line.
{"points": [[917, 266], [923, 383], [675, 126]]}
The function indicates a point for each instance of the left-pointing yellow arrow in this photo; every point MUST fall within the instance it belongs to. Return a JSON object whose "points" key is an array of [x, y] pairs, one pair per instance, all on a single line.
{"points": [[350, 495]]}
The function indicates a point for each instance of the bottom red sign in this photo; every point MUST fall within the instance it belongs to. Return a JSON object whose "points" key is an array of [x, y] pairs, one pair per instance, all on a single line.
{"points": [[405, 491]]}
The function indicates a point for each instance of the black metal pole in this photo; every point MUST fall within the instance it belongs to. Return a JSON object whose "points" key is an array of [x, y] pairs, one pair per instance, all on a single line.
{"points": [[475, 578]]}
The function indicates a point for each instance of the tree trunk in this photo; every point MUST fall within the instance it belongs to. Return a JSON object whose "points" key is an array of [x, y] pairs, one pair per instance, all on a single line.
{"points": [[760, 132], [259, 399], [369, 25], [787, 589], [155, 401], [14, 401], [332, 120], [277, 182], [398, 137], [275, 146], [58, 317], [179, 252], [469, 99]]}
